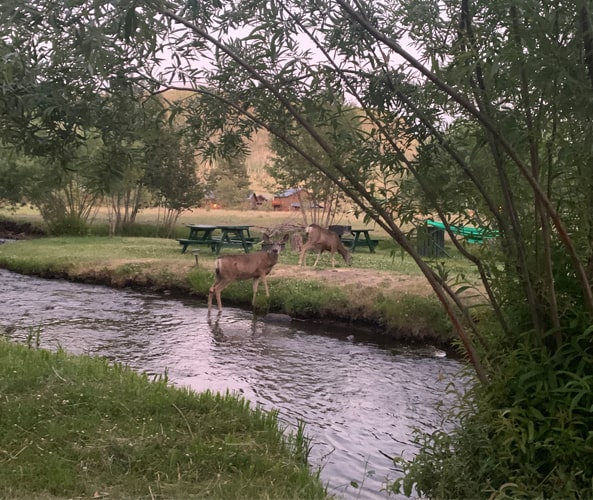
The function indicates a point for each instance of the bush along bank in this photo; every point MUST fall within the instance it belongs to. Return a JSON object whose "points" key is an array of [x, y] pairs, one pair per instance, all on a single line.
{"points": [[76, 426]]}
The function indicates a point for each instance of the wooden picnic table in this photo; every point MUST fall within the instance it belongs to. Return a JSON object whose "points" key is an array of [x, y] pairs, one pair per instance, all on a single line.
{"points": [[356, 241], [218, 237]]}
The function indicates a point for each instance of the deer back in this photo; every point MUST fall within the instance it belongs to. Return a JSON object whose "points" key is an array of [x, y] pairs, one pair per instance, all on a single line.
{"points": [[245, 266], [323, 239], [248, 265]]}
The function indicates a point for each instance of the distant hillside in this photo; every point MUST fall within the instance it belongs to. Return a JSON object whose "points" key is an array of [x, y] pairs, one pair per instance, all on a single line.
{"points": [[260, 154], [259, 180]]}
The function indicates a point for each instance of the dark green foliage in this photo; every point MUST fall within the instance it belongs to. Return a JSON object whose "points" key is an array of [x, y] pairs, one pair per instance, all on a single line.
{"points": [[525, 435], [228, 183], [414, 316], [170, 172], [67, 226], [307, 299]]}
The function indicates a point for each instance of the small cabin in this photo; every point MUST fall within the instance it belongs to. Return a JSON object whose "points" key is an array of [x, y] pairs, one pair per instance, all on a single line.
{"points": [[288, 200]]}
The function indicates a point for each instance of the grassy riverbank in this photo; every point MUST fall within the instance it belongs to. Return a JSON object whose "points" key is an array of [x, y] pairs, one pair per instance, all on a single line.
{"points": [[75, 426]]}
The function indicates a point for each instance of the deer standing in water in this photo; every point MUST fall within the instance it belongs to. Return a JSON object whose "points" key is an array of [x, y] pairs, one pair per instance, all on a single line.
{"points": [[236, 267], [323, 240]]}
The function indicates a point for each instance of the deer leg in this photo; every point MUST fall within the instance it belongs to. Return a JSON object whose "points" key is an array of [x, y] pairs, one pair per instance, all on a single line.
{"points": [[333, 259], [303, 257], [317, 259], [211, 292], [255, 285], [217, 288], [218, 301]]}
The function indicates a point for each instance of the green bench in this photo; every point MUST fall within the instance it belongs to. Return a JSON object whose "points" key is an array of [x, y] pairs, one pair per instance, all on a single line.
{"points": [[215, 243], [470, 234], [184, 242], [347, 242], [218, 244]]}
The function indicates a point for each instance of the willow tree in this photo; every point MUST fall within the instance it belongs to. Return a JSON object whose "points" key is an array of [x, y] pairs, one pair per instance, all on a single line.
{"points": [[493, 96]]}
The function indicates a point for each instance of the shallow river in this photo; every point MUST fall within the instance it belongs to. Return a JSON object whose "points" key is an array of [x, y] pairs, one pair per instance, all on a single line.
{"points": [[358, 399]]}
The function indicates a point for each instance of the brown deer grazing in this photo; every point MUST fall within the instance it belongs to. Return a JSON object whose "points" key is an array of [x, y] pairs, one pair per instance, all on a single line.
{"points": [[323, 240], [256, 265]]}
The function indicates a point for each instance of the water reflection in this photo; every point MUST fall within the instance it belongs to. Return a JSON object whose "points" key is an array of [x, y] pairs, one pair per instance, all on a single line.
{"points": [[359, 400]]}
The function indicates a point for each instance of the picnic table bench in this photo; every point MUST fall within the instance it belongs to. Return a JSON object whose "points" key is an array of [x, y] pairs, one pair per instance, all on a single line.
{"points": [[355, 240], [217, 237], [353, 243]]}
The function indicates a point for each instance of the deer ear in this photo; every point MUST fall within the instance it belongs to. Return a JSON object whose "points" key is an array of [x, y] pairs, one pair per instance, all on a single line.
{"points": [[285, 239], [265, 238]]}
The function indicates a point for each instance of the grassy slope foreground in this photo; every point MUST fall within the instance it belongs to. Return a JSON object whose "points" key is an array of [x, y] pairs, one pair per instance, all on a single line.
{"points": [[74, 426]]}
